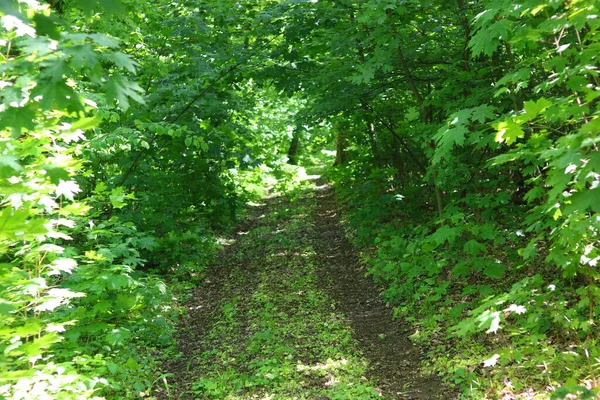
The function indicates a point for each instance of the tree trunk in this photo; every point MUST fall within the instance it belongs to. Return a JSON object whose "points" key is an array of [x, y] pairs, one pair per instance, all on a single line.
{"points": [[340, 148], [294, 148]]}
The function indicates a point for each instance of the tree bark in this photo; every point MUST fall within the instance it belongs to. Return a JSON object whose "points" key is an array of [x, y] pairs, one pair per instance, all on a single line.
{"points": [[340, 148], [294, 148]]}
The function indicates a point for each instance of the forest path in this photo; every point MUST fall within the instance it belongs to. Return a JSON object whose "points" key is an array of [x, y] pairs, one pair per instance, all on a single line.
{"points": [[288, 314]]}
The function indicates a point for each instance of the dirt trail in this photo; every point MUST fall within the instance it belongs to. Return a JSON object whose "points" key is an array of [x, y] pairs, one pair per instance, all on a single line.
{"points": [[394, 361], [204, 307], [287, 314]]}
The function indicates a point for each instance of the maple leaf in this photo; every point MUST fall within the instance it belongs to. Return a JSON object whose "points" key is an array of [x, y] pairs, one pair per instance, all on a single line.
{"points": [[67, 189], [508, 131], [493, 360], [120, 90]]}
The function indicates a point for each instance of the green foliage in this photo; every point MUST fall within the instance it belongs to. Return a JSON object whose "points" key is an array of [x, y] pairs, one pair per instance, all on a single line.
{"points": [[113, 184], [72, 301], [131, 133], [44, 112], [494, 236]]}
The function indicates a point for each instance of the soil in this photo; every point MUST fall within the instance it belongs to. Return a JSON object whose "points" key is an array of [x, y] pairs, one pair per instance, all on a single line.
{"points": [[203, 311], [394, 362]]}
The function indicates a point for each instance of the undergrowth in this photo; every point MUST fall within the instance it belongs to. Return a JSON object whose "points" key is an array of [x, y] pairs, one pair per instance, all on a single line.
{"points": [[497, 324]]}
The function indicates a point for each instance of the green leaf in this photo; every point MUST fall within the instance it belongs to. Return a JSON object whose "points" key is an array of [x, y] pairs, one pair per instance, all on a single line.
{"points": [[6, 307], [112, 367], [86, 123], [116, 282], [118, 336], [68, 189], [494, 270], [481, 42], [58, 96], [18, 118], [461, 269], [456, 135], [103, 306], [104, 40], [537, 192], [132, 364], [9, 165], [56, 173], [445, 234], [16, 225], [120, 90], [489, 320], [110, 6], [66, 265], [117, 197], [123, 60], [54, 72], [465, 327], [508, 131], [533, 109], [45, 25], [483, 113], [583, 201], [74, 209], [412, 114], [147, 242], [447, 138], [365, 75], [473, 247]]}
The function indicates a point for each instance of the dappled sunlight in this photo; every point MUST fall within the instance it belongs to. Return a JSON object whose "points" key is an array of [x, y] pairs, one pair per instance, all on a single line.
{"points": [[169, 227], [312, 177], [253, 204], [293, 254], [329, 371], [328, 214], [226, 241], [329, 365], [323, 187]]}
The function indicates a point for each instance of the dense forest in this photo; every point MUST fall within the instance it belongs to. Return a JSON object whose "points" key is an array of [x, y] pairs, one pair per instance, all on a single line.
{"points": [[460, 136]]}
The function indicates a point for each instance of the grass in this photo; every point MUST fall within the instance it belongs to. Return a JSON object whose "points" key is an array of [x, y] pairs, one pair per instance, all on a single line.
{"points": [[277, 335]]}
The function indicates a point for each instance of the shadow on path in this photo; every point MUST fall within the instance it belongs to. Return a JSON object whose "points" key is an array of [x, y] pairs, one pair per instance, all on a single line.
{"points": [[394, 360]]}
